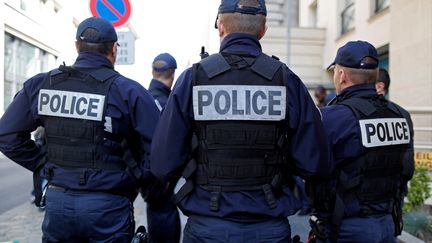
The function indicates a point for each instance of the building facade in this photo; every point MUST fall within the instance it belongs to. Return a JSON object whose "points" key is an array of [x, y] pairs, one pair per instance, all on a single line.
{"points": [[36, 36], [306, 34]]}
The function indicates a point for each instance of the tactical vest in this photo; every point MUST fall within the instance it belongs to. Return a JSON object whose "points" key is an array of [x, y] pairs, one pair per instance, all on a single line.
{"points": [[240, 104], [72, 106], [375, 177], [385, 137]]}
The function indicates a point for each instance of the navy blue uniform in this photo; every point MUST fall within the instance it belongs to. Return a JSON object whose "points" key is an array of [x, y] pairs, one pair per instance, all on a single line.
{"points": [[102, 206], [162, 215], [172, 141], [159, 91], [345, 137]]}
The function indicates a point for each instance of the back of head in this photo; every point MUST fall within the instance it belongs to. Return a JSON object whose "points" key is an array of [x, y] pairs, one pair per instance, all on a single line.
{"points": [[95, 34], [384, 77], [243, 16], [360, 60], [163, 66]]}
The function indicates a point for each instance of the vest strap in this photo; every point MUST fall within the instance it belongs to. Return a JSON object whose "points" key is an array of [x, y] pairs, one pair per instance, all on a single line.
{"points": [[214, 65], [266, 66]]}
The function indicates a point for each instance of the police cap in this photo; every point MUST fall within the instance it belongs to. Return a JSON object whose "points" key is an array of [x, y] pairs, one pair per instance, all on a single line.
{"points": [[105, 30], [234, 6], [168, 62], [352, 54]]}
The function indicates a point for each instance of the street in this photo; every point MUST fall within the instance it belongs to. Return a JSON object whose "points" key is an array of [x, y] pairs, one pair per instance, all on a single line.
{"points": [[16, 184]]}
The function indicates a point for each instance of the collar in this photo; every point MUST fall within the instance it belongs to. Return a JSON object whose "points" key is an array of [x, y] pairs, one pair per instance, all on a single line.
{"points": [[241, 42], [158, 85], [92, 60], [359, 90]]}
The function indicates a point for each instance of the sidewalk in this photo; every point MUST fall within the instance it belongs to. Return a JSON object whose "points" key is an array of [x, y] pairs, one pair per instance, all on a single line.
{"points": [[23, 223]]}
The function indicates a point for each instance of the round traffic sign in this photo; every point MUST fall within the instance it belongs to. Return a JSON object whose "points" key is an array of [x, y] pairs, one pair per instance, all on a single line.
{"points": [[115, 11]]}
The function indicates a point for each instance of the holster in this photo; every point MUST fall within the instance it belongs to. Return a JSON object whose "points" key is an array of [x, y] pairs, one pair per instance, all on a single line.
{"points": [[397, 218], [319, 231]]}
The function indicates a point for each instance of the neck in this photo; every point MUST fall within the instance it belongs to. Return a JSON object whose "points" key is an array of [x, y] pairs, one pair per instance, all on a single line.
{"points": [[166, 82]]}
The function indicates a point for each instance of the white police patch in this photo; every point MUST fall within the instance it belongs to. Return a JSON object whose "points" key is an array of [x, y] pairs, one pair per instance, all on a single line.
{"points": [[71, 104], [239, 102], [386, 131]]}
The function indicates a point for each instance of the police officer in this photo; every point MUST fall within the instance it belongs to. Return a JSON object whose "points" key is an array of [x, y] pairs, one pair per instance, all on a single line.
{"points": [[372, 141], [99, 125], [236, 126], [382, 84], [163, 218], [163, 70]]}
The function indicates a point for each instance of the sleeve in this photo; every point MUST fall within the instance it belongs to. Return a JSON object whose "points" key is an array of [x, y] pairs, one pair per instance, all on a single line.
{"points": [[308, 145], [342, 133], [18, 122], [171, 144], [144, 116]]}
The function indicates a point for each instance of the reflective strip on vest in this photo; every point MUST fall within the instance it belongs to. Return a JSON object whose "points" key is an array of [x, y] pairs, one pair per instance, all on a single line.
{"points": [[239, 102], [384, 131], [71, 104]]}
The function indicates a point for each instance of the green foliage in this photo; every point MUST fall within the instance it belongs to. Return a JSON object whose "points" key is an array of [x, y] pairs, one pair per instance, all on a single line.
{"points": [[418, 191]]}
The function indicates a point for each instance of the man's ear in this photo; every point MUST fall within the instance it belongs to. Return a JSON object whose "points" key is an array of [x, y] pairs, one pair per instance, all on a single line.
{"points": [[343, 76], [76, 46], [262, 32], [221, 29], [113, 55], [114, 49]]}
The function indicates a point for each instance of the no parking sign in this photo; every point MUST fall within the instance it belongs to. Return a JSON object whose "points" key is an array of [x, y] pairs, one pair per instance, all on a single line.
{"points": [[115, 11]]}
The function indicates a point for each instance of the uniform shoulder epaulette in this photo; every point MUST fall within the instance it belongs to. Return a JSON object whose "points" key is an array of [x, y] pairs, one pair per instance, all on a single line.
{"points": [[55, 72], [360, 105], [266, 66], [214, 65], [103, 74]]}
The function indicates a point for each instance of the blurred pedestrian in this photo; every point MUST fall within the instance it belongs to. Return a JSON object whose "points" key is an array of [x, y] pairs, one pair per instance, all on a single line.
{"points": [[320, 94], [163, 218], [163, 71], [382, 84]]}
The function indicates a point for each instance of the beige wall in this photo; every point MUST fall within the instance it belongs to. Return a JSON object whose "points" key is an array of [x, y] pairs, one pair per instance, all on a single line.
{"points": [[306, 47], [406, 26], [411, 52], [369, 27], [48, 26]]}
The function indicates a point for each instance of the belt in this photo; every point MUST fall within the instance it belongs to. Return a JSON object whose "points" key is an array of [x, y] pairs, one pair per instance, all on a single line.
{"points": [[130, 196], [51, 186]]}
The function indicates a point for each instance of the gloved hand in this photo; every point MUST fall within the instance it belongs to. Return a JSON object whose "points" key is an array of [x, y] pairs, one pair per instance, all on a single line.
{"points": [[155, 193]]}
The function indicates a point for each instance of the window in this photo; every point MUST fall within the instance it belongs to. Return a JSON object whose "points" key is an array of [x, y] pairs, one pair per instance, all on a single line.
{"points": [[347, 16], [380, 5], [22, 61]]}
